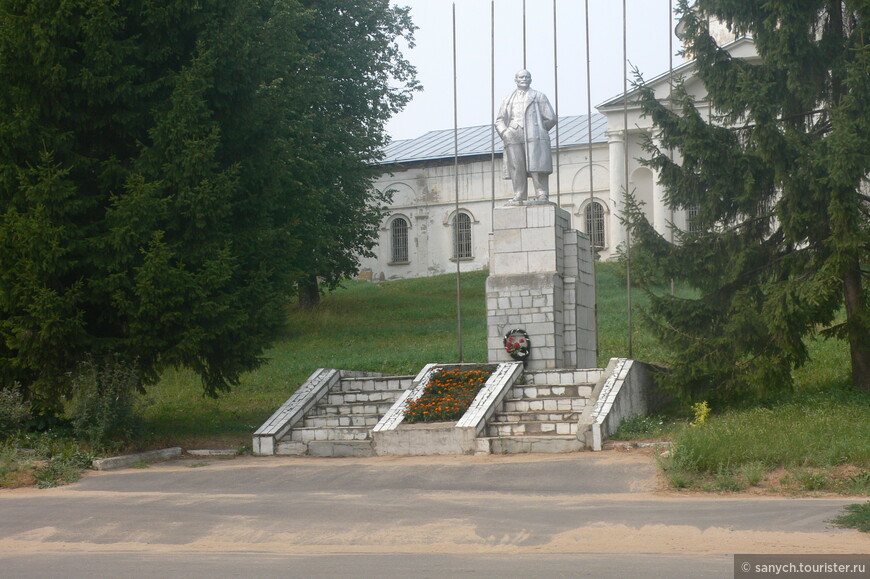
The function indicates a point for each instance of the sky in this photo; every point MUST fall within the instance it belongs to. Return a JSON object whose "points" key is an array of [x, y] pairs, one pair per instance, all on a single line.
{"points": [[649, 25]]}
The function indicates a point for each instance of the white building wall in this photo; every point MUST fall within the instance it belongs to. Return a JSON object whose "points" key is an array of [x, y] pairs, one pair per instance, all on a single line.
{"points": [[424, 193]]}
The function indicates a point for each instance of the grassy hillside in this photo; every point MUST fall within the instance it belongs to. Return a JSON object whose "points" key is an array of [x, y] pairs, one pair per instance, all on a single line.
{"points": [[394, 327]]}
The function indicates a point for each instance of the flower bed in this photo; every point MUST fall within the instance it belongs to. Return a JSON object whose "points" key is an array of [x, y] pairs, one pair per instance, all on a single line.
{"points": [[447, 395]]}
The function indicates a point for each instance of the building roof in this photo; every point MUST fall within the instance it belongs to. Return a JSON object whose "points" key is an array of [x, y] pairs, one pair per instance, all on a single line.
{"points": [[573, 130], [685, 69]]}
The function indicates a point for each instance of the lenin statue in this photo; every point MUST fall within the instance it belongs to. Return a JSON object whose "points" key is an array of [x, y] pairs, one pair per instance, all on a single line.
{"points": [[523, 123]]}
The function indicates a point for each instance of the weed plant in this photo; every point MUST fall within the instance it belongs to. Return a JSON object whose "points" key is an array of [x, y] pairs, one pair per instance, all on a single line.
{"points": [[104, 408], [641, 427], [14, 412], [857, 516], [16, 468], [45, 459]]}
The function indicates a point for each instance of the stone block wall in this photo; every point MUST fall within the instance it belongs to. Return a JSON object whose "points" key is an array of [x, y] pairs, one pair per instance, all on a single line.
{"points": [[541, 280]]}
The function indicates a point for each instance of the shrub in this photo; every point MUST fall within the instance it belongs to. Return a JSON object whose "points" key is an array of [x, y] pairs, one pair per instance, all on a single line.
{"points": [[14, 411], [103, 407], [701, 411]]}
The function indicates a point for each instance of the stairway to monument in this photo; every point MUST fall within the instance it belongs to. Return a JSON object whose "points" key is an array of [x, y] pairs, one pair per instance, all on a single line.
{"points": [[541, 415], [341, 422]]}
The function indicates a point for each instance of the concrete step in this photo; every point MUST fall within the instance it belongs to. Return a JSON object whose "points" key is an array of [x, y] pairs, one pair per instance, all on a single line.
{"points": [[291, 448], [340, 448], [560, 377], [308, 434], [530, 428], [341, 420], [374, 407], [513, 417], [563, 390], [373, 384], [545, 405], [354, 396], [523, 444]]}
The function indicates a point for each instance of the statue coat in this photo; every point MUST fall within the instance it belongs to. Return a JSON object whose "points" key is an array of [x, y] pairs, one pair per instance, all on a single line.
{"points": [[539, 119]]}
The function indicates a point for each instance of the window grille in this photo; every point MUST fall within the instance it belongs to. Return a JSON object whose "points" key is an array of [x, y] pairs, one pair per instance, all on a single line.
{"points": [[692, 221], [462, 236], [595, 224], [399, 232]]}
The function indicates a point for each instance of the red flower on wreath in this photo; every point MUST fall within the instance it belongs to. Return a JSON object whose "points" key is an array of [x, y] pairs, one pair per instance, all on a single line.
{"points": [[517, 344]]}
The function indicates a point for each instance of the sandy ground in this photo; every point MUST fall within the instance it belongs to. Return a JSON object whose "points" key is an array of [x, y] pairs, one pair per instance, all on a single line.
{"points": [[602, 503]]}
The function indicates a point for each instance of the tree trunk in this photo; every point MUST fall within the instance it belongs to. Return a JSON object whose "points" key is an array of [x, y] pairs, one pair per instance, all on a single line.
{"points": [[856, 320], [309, 292]]}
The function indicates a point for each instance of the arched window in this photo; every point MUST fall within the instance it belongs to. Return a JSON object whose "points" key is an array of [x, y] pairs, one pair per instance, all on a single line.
{"points": [[594, 217], [399, 240], [462, 236]]}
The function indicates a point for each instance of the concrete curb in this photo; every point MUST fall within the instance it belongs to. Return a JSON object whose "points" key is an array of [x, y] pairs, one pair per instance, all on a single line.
{"points": [[225, 452], [131, 459]]}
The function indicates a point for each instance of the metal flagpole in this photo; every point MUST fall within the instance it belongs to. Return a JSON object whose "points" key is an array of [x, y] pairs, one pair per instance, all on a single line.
{"points": [[590, 231], [456, 185], [589, 107], [671, 101], [524, 33], [492, 104], [625, 168], [556, 79]]}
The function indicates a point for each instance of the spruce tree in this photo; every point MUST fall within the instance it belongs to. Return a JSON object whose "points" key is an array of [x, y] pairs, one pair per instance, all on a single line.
{"points": [[778, 176], [159, 162]]}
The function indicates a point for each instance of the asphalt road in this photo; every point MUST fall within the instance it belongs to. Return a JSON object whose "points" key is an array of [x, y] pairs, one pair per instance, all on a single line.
{"points": [[585, 514]]}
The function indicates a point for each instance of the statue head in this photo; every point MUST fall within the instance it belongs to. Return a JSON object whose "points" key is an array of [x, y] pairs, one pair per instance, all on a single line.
{"points": [[523, 78]]}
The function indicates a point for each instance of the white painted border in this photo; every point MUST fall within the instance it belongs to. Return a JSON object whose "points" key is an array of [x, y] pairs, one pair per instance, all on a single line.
{"points": [[490, 396]]}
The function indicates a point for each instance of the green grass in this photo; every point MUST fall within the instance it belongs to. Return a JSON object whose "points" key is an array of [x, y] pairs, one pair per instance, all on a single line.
{"points": [[50, 460], [653, 427], [857, 517], [820, 440], [808, 431], [612, 299], [818, 437], [394, 327]]}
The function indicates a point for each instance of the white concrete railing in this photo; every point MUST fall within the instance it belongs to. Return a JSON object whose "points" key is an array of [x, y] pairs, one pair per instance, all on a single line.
{"points": [[396, 414], [622, 391], [489, 398], [294, 409]]}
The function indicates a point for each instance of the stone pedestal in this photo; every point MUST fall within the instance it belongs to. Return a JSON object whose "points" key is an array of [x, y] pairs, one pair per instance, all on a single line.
{"points": [[541, 280]]}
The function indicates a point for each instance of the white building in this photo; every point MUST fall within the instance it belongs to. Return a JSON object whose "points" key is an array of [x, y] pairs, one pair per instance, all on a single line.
{"points": [[417, 238]]}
